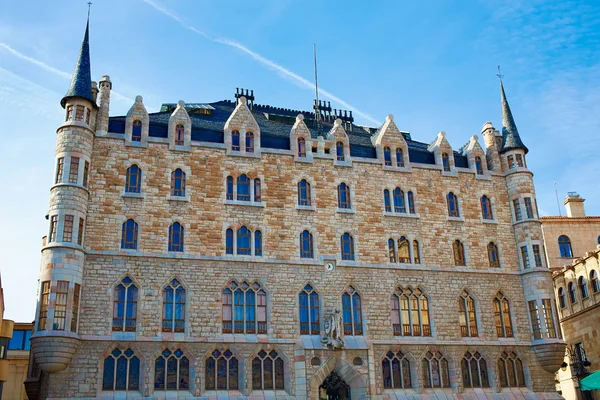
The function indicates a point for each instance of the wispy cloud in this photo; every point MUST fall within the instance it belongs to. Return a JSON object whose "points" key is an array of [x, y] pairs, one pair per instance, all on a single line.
{"points": [[286, 73]]}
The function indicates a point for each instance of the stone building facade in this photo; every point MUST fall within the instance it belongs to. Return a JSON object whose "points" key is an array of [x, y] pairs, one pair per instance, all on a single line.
{"points": [[203, 250], [6, 329], [18, 362]]}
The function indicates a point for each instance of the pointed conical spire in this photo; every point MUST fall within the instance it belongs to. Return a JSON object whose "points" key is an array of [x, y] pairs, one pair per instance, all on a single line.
{"points": [[510, 134], [81, 83]]}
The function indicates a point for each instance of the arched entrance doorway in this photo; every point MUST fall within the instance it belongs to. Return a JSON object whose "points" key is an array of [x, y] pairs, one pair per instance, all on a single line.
{"points": [[334, 388]]}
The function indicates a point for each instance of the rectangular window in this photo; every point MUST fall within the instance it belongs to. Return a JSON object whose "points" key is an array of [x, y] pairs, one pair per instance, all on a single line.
{"points": [[580, 352], [74, 170], [519, 160], [68, 228], [87, 116], [517, 207], [69, 113], [60, 305], [548, 320], [44, 301], [537, 257], [535, 319], [511, 162], [80, 232], [79, 111], [53, 222], [525, 257], [528, 207], [75, 313], [59, 170], [86, 170]]}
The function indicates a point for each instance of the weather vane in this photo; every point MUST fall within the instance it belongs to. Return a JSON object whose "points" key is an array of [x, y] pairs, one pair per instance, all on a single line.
{"points": [[499, 75], [89, 7]]}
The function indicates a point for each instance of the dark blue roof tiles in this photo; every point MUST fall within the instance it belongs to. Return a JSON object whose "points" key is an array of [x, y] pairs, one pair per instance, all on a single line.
{"points": [[81, 82], [510, 135]]}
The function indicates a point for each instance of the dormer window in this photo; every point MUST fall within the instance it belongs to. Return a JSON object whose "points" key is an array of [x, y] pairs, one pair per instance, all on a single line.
{"points": [[519, 160], [339, 151], [387, 156], [136, 132], [399, 157], [478, 165], [446, 162], [249, 142], [179, 132], [301, 147], [235, 141]]}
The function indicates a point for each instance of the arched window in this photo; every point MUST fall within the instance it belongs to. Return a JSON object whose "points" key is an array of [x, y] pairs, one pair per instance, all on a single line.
{"points": [[308, 301], [129, 235], [133, 179], [452, 202], [399, 157], [403, 250], [387, 156], [411, 202], [582, 283], [136, 131], [416, 254], [246, 306], [594, 281], [172, 371], [446, 162], [229, 241], [125, 306], [399, 206], [486, 208], [466, 315], [474, 371], [459, 253], [179, 132], [562, 299], [257, 190], [304, 196], [249, 142], [564, 245], [392, 250], [396, 371], [598, 239], [121, 371], [178, 183], [257, 243], [410, 313], [502, 316], [176, 237], [347, 247], [572, 293], [173, 307], [435, 371], [235, 141], [344, 196], [301, 147], [222, 371], [243, 241], [351, 312], [386, 200], [493, 255], [229, 188], [510, 370], [267, 371], [478, 165], [339, 151], [306, 245], [243, 188]]}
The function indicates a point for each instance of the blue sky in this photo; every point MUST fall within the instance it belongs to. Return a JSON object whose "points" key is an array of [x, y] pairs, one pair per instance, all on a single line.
{"points": [[431, 65]]}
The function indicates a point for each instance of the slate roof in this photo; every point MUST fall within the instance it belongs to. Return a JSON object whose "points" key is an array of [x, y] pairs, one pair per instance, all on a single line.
{"points": [[81, 82], [275, 125], [510, 134]]}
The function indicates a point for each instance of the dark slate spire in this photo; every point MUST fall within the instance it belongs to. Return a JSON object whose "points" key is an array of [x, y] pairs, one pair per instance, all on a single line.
{"points": [[510, 134], [81, 83]]}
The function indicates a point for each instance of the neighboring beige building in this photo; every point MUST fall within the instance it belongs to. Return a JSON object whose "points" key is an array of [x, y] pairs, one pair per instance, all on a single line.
{"points": [[578, 297], [6, 328], [229, 249], [18, 362], [570, 237]]}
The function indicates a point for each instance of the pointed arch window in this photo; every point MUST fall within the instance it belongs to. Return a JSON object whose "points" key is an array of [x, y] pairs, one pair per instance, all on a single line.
{"points": [[446, 162], [493, 257], [178, 183], [416, 253], [308, 301], [347, 247], [562, 299], [344, 196], [411, 202], [478, 165], [582, 283], [474, 371], [564, 245], [304, 195], [172, 371], [121, 371], [243, 188], [387, 156], [459, 253], [386, 200], [229, 188], [435, 370], [235, 141], [125, 306], [244, 308], [129, 235], [306, 245], [133, 179], [399, 157], [176, 234], [395, 368], [351, 312], [594, 281], [173, 307], [510, 370], [301, 147], [466, 315], [452, 202], [249, 142], [179, 135], [339, 151], [136, 131], [267, 371], [392, 250], [572, 293], [410, 313], [502, 316], [399, 205], [222, 371], [486, 208], [403, 250]]}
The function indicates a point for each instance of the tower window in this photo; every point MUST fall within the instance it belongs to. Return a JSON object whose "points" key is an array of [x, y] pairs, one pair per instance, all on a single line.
{"points": [[535, 319], [53, 227], [68, 228], [339, 151], [519, 160], [347, 247], [129, 235], [351, 312], [235, 141], [136, 131], [387, 156], [73, 170], [517, 207], [75, 309], [466, 314], [537, 257], [246, 306], [172, 371], [528, 207], [267, 371], [525, 257], [79, 112], [121, 371], [178, 183], [222, 371], [87, 116], [125, 306], [173, 307], [446, 162], [86, 171], [511, 161], [478, 165], [59, 170], [69, 113], [249, 142], [548, 319], [179, 135], [564, 245], [60, 305], [44, 302], [308, 301], [80, 232]]}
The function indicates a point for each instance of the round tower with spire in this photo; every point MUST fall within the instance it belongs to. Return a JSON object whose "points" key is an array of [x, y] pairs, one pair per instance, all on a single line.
{"points": [[55, 339], [548, 346]]}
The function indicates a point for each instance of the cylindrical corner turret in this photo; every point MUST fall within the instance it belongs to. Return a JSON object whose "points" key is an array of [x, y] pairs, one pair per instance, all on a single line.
{"points": [[493, 141], [103, 105]]}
